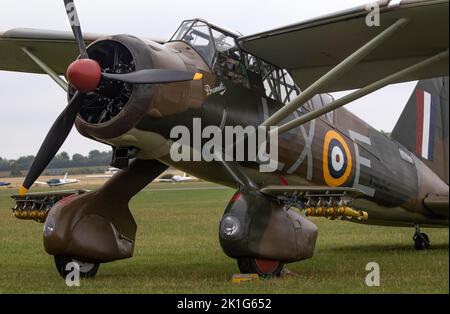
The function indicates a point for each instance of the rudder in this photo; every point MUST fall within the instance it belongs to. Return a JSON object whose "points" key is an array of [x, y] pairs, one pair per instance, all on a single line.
{"points": [[423, 125]]}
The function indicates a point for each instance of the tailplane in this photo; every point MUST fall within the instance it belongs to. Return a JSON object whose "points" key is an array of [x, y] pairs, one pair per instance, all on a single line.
{"points": [[423, 125]]}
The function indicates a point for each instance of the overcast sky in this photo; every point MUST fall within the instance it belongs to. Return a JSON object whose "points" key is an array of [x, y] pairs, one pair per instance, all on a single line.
{"points": [[30, 103]]}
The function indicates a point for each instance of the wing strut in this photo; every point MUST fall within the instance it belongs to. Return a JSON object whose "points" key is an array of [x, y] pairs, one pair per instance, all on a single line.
{"points": [[361, 92], [46, 69], [335, 73]]}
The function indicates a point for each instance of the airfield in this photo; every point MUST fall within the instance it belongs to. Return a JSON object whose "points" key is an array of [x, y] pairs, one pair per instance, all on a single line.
{"points": [[177, 251]]}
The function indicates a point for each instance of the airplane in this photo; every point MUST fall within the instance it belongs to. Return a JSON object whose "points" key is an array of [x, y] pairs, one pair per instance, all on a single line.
{"points": [[59, 182], [183, 178], [176, 179], [5, 184], [131, 93], [108, 173], [111, 171]]}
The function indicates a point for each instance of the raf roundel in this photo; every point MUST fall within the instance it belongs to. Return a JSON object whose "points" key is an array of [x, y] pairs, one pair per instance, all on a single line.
{"points": [[337, 160]]}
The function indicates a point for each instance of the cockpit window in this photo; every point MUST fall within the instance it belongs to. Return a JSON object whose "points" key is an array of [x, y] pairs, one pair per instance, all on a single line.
{"points": [[227, 62], [184, 27], [198, 35], [224, 43], [219, 49]]}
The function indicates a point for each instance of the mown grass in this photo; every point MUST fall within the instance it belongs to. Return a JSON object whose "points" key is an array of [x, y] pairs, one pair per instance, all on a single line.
{"points": [[178, 251]]}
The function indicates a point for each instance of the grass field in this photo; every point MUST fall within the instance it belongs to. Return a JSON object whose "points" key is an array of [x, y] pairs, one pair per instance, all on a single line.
{"points": [[178, 251]]}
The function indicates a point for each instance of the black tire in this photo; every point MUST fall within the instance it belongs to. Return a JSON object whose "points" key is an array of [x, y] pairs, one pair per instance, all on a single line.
{"points": [[251, 265], [421, 241], [87, 270]]}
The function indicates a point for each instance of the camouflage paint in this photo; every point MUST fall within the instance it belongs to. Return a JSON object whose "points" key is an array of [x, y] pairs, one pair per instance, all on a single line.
{"points": [[393, 188]]}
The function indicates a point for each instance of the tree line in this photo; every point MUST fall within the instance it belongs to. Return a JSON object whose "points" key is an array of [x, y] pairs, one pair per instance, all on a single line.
{"points": [[62, 160]]}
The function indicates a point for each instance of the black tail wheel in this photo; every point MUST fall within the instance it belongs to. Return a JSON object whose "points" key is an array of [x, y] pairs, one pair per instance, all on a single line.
{"points": [[264, 268], [421, 241], [87, 270]]}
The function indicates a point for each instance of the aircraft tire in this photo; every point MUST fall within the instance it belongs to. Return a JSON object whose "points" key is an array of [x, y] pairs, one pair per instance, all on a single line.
{"points": [[421, 241], [264, 268], [87, 270]]}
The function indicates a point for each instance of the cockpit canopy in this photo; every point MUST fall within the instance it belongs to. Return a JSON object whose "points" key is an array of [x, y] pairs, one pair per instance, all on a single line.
{"points": [[219, 49], [207, 38]]}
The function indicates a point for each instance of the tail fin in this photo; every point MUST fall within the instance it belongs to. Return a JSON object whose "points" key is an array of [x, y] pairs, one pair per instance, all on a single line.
{"points": [[65, 176], [423, 125]]}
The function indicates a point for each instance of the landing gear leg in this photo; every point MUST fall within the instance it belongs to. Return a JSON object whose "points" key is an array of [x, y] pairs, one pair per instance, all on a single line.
{"points": [[421, 240], [97, 227]]}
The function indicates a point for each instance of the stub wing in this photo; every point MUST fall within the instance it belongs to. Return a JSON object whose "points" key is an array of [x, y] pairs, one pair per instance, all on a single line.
{"points": [[310, 49], [322, 201], [310, 191], [36, 206]]}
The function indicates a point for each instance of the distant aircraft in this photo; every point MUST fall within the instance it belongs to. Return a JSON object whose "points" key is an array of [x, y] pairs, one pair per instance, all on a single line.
{"points": [[111, 171], [183, 178], [5, 184], [176, 179], [108, 173], [58, 182]]}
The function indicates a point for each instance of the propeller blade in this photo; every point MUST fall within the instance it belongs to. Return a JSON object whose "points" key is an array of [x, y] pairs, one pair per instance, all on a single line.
{"points": [[76, 28], [53, 141], [154, 76]]}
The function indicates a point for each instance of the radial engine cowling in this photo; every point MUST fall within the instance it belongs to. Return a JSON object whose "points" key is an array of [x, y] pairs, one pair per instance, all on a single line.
{"points": [[114, 107]]}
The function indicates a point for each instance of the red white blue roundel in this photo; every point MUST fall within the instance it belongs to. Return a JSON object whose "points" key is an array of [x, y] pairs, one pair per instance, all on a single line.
{"points": [[337, 160]]}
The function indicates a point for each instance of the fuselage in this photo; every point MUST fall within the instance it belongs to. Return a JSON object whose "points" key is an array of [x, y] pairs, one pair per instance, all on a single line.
{"points": [[394, 181], [337, 149]]}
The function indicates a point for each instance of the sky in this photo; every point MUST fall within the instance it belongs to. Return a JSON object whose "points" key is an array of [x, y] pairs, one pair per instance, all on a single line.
{"points": [[30, 103]]}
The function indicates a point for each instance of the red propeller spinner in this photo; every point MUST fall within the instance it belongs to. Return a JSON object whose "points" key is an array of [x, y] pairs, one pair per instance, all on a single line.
{"points": [[84, 74]]}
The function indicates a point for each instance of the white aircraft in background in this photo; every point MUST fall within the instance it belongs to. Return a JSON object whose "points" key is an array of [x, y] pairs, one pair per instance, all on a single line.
{"points": [[58, 182], [183, 178], [111, 171], [108, 173], [177, 178]]}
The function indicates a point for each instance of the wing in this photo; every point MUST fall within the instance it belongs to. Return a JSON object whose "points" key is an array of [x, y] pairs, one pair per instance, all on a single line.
{"points": [[57, 49], [312, 48]]}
